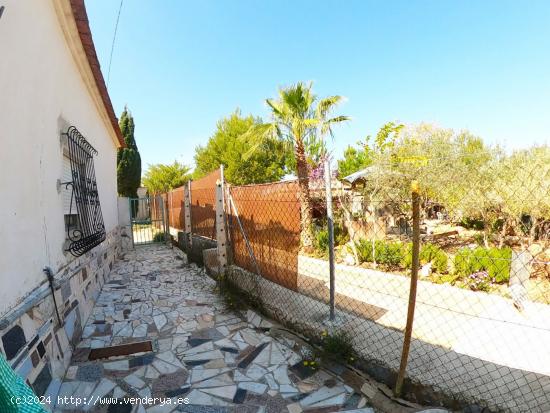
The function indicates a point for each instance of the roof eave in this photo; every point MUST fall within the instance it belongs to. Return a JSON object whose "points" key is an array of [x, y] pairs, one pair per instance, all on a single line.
{"points": [[75, 26]]}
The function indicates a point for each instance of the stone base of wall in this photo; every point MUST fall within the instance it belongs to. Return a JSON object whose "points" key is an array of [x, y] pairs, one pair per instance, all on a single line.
{"points": [[211, 262], [34, 342], [194, 247]]}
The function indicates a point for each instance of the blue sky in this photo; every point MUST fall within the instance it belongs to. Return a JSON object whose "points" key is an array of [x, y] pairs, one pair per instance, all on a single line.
{"points": [[182, 65]]}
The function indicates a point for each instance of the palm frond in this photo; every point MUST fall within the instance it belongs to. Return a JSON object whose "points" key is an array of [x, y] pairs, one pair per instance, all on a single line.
{"points": [[275, 107], [257, 135], [326, 105], [338, 119]]}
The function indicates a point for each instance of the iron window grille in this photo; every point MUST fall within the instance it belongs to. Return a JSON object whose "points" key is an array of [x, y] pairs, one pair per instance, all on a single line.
{"points": [[89, 230]]}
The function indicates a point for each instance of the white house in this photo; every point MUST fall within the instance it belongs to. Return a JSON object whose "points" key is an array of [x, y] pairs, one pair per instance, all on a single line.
{"points": [[58, 142]]}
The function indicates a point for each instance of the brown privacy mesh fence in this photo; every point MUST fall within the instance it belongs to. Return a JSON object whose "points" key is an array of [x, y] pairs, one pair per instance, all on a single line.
{"points": [[156, 208], [481, 329], [203, 205], [270, 217], [176, 208]]}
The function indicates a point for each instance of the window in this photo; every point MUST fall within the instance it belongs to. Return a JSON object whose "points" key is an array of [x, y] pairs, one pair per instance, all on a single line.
{"points": [[81, 207], [69, 208]]}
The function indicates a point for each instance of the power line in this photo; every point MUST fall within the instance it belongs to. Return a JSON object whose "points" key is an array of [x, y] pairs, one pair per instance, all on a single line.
{"points": [[113, 44]]}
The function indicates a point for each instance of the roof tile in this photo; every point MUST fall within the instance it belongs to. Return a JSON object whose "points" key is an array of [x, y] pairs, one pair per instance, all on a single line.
{"points": [[83, 26]]}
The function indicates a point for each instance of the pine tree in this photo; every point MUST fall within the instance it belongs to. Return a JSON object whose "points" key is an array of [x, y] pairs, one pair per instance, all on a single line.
{"points": [[128, 159]]}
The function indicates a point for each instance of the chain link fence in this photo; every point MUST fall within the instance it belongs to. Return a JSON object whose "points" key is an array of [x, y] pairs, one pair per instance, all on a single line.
{"points": [[481, 330]]}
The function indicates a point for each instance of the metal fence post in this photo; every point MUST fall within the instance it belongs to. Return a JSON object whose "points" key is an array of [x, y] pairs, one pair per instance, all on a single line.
{"points": [[412, 291], [330, 223]]}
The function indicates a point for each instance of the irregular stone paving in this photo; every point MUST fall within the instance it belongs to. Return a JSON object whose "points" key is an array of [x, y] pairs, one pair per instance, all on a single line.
{"points": [[202, 352]]}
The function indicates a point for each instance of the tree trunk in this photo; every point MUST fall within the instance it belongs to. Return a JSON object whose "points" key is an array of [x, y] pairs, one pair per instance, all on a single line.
{"points": [[503, 232], [304, 196], [533, 230], [348, 222]]}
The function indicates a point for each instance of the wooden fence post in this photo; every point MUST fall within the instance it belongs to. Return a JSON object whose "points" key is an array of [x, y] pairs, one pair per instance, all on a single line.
{"points": [[412, 292]]}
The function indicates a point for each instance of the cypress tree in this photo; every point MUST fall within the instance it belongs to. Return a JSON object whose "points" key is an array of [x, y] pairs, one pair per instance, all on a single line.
{"points": [[128, 159]]}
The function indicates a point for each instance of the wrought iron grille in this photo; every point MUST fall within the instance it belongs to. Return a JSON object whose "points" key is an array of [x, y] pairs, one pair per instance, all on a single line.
{"points": [[90, 229]]}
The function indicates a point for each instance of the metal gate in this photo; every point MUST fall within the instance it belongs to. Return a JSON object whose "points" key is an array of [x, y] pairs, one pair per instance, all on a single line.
{"points": [[148, 218]]}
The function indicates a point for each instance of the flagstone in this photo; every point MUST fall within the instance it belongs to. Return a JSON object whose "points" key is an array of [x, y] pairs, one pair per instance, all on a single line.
{"points": [[201, 348], [217, 381], [126, 331], [134, 381], [164, 367], [223, 330], [198, 374], [118, 393], [226, 392], [254, 387], [281, 375], [197, 397], [169, 357], [333, 401], [160, 321], [104, 387], [255, 372], [201, 351], [84, 389], [321, 394], [271, 382], [215, 364], [208, 355]]}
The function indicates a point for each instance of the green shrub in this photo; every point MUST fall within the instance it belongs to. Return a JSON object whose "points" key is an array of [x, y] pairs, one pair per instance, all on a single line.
{"points": [[428, 253], [321, 241], [388, 253], [391, 253], [399, 254], [444, 278], [338, 346], [462, 262], [493, 260], [341, 237], [365, 250], [407, 258], [434, 254], [159, 237]]}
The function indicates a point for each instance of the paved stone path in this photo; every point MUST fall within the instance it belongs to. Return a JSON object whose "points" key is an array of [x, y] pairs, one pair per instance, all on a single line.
{"points": [[217, 360]]}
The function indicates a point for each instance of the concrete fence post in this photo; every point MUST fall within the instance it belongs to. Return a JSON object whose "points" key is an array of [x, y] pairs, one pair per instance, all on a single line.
{"points": [[221, 235], [187, 206]]}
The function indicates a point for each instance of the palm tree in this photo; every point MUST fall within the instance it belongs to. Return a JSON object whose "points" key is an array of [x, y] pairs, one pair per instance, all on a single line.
{"points": [[299, 117]]}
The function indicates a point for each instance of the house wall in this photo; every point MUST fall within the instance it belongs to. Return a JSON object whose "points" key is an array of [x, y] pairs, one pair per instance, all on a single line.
{"points": [[42, 92]]}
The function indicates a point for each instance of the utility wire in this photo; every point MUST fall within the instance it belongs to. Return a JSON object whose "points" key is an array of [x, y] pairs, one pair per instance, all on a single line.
{"points": [[113, 44]]}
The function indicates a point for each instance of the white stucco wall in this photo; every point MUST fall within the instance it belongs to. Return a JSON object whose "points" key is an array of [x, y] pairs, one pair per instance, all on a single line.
{"points": [[40, 91]]}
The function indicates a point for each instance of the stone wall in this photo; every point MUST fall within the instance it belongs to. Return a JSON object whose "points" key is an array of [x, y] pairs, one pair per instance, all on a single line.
{"points": [[33, 341], [194, 247]]}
